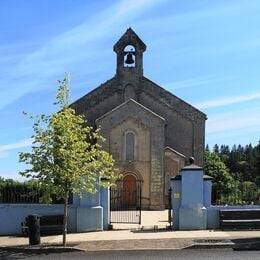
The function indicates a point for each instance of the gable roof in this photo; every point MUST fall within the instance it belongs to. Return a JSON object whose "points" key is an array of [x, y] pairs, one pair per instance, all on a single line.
{"points": [[174, 151], [129, 37], [148, 87], [134, 103], [174, 102]]}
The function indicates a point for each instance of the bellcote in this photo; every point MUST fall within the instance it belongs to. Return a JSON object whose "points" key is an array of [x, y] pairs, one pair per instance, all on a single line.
{"points": [[129, 49]]}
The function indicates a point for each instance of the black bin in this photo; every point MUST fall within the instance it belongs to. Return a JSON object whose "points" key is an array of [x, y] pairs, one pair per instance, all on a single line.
{"points": [[34, 229]]}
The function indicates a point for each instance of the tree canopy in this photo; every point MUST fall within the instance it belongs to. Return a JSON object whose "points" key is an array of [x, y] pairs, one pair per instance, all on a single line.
{"points": [[67, 155], [236, 171], [214, 167]]}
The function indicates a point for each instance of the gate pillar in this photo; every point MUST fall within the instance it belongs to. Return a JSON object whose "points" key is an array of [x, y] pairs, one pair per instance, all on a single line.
{"points": [[191, 197], [105, 203]]}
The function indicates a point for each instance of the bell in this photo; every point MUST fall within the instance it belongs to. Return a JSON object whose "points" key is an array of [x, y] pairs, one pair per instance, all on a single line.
{"points": [[129, 58]]}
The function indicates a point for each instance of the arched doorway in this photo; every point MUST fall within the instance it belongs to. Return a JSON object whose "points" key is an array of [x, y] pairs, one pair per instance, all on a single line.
{"points": [[129, 190], [126, 200]]}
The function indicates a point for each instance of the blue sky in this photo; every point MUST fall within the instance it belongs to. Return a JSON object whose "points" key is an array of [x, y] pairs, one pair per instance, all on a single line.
{"points": [[205, 52]]}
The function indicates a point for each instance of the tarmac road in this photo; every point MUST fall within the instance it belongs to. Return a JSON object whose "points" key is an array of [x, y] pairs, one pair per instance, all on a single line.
{"points": [[142, 254]]}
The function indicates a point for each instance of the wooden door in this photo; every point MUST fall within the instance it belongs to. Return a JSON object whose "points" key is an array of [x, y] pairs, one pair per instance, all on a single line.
{"points": [[129, 190]]}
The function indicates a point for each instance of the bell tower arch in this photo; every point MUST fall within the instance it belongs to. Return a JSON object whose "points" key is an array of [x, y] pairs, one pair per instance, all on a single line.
{"points": [[129, 50]]}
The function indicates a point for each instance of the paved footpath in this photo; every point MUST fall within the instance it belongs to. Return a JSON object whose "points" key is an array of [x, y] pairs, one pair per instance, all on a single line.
{"points": [[137, 239], [151, 234]]}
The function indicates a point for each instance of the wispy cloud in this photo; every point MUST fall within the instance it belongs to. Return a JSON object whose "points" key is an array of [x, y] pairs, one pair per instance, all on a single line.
{"points": [[232, 121], [13, 146], [228, 101], [234, 127], [37, 69], [198, 81], [246, 136], [239, 120], [192, 23]]}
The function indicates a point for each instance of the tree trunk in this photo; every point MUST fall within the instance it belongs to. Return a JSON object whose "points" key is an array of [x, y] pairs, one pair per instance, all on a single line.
{"points": [[65, 217]]}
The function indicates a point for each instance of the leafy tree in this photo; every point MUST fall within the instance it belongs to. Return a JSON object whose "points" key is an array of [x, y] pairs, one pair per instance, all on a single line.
{"points": [[222, 180], [67, 156]]}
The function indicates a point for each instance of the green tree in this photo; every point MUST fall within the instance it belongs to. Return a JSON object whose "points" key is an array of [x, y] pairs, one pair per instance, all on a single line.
{"points": [[256, 164], [67, 156], [224, 154], [216, 149], [250, 191], [222, 180]]}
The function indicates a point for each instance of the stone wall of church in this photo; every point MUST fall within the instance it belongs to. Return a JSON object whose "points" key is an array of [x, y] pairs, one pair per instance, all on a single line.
{"points": [[173, 163], [157, 168], [99, 101], [185, 126], [184, 129], [178, 130], [199, 141], [148, 165], [140, 167]]}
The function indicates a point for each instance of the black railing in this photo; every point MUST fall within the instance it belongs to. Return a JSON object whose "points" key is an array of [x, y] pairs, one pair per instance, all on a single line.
{"points": [[23, 194], [239, 196], [170, 207]]}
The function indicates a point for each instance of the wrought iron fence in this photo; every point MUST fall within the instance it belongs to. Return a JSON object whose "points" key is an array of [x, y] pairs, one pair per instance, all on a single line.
{"points": [[239, 196], [22, 194]]}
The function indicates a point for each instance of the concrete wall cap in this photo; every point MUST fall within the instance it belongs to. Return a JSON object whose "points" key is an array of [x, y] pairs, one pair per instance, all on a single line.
{"points": [[192, 167], [178, 178]]}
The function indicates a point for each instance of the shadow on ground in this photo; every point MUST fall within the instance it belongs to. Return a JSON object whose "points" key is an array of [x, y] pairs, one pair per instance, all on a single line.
{"points": [[21, 252], [246, 243], [237, 244], [154, 229]]}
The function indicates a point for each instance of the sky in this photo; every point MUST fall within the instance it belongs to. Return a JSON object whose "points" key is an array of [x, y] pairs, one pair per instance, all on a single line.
{"points": [[205, 52]]}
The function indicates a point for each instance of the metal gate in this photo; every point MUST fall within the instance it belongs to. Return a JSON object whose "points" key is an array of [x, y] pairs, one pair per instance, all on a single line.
{"points": [[125, 203]]}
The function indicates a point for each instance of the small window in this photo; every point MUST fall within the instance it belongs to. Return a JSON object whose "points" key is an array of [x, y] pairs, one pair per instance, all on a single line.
{"points": [[129, 56], [130, 146]]}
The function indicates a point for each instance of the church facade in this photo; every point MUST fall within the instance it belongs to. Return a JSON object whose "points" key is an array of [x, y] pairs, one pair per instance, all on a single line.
{"points": [[149, 131]]}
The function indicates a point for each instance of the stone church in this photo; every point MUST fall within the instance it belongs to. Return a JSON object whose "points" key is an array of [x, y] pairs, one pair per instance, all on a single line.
{"points": [[149, 131]]}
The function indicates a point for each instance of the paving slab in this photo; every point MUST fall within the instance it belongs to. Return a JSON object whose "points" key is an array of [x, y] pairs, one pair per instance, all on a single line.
{"points": [[137, 244]]}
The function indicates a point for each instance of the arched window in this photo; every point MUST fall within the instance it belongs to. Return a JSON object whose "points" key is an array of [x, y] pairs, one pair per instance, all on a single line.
{"points": [[130, 146]]}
